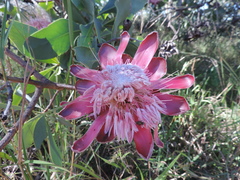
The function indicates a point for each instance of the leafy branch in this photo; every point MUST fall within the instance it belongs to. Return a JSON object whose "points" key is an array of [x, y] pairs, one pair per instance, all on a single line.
{"points": [[42, 83]]}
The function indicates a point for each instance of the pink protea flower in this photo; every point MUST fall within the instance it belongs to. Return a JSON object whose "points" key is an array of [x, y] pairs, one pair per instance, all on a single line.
{"points": [[125, 97], [37, 17], [38, 23]]}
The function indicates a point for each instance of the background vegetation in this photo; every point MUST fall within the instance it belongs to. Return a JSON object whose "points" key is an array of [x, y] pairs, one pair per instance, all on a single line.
{"points": [[200, 144]]}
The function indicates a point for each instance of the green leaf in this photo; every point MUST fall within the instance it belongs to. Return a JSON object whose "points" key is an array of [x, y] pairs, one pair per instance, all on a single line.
{"points": [[98, 29], [57, 35], [19, 33], [89, 7], [86, 56], [109, 7], [86, 7], [16, 98], [28, 131], [49, 61], [39, 48], [40, 132], [38, 162], [76, 12], [6, 156], [86, 35], [137, 5], [54, 150], [46, 73], [29, 89], [123, 11], [64, 60]]}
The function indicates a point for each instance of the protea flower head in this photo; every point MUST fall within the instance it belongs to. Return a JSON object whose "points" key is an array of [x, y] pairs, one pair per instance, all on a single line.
{"points": [[125, 97], [36, 16]]}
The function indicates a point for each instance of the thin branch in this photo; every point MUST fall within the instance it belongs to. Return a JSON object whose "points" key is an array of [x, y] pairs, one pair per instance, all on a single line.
{"points": [[26, 66], [43, 81], [41, 84], [51, 101], [11, 132]]}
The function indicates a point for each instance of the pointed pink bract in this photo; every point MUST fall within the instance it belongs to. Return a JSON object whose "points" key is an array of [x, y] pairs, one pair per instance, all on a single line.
{"points": [[157, 68], [146, 50], [107, 55], [178, 82], [85, 141], [85, 73], [81, 106], [144, 142], [157, 141], [122, 46], [173, 105]]}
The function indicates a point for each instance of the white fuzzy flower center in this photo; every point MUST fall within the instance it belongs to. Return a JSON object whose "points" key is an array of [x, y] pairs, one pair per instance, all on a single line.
{"points": [[120, 85], [126, 75]]}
